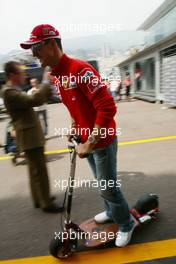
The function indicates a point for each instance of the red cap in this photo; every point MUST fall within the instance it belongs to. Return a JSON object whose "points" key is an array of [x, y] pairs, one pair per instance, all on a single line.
{"points": [[40, 33]]}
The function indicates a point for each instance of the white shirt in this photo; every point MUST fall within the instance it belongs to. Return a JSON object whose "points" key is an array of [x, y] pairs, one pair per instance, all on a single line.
{"points": [[113, 85]]}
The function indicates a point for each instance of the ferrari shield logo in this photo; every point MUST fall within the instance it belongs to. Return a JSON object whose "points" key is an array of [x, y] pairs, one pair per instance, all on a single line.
{"points": [[65, 83], [45, 31]]}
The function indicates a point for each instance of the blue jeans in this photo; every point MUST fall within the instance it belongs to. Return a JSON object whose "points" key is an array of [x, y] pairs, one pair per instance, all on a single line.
{"points": [[103, 164]]}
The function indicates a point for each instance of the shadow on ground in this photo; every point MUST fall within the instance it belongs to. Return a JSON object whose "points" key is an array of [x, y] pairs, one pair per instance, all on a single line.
{"points": [[159, 261], [26, 232], [54, 157]]}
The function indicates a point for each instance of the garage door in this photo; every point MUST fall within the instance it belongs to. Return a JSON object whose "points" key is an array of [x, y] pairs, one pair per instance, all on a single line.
{"points": [[168, 75]]}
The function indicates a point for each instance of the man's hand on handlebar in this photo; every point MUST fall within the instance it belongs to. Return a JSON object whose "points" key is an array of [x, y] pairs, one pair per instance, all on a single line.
{"points": [[84, 149]]}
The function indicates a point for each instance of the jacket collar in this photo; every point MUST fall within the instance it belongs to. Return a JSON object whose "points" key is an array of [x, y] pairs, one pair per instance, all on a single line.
{"points": [[61, 66]]}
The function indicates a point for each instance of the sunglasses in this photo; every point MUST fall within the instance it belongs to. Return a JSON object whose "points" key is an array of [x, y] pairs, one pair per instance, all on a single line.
{"points": [[37, 47]]}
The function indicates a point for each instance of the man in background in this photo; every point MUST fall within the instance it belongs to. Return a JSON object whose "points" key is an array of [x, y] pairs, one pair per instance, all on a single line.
{"points": [[29, 135], [127, 83]]}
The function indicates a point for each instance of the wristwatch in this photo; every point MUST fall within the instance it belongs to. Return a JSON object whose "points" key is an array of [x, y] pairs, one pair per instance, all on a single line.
{"points": [[91, 139]]}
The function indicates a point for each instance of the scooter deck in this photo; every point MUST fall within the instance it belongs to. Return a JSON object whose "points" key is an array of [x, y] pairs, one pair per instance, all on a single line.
{"points": [[99, 234]]}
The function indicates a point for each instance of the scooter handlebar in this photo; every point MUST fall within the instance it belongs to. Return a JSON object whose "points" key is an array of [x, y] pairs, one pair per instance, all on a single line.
{"points": [[76, 141]]}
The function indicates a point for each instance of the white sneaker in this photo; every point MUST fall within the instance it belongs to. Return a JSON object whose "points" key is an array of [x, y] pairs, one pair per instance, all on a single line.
{"points": [[102, 218], [123, 238]]}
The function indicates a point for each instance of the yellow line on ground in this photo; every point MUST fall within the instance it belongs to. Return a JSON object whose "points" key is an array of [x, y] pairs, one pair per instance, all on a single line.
{"points": [[146, 140], [5, 157], [59, 151], [120, 144], [129, 254]]}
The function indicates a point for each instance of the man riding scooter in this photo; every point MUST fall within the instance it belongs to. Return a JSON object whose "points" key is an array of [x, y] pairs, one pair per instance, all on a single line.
{"points": [[92, 109]]}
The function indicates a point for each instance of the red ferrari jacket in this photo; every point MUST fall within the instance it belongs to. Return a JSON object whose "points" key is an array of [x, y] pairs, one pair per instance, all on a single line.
{"points": [[86, 98]]}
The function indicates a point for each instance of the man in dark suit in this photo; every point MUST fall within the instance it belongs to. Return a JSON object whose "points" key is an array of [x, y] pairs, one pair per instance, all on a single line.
{"points": [[29, 135]]}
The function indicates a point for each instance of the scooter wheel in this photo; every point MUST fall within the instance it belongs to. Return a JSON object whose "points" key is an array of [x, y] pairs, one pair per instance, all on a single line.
{"points": [[57, 248], [146, 203]]}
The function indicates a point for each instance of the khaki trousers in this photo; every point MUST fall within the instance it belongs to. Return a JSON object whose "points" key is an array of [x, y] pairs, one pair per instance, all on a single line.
{"points": [[38, 176]]}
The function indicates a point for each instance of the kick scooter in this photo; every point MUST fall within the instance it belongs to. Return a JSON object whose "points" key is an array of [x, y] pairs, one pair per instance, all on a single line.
{"points": [[90, 232]]}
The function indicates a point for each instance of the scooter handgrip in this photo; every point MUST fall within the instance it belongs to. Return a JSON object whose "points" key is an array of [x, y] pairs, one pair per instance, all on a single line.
{"points": [[75, 140]]}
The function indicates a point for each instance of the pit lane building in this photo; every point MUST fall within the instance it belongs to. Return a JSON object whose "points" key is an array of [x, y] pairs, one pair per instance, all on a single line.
{"points": [[153, 68]]}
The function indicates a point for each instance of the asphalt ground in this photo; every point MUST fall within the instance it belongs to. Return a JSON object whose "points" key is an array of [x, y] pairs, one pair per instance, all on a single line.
{"points": [[142, 167]]}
